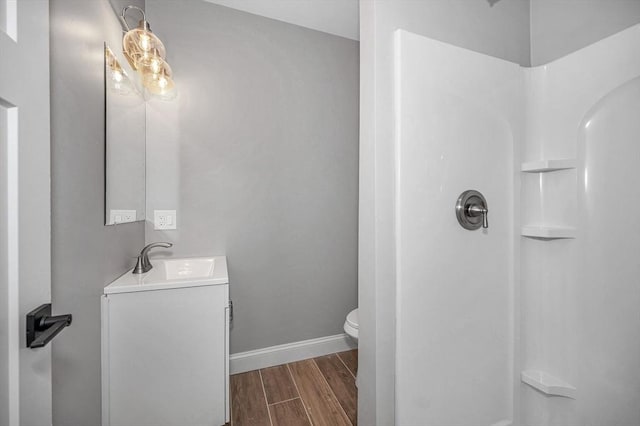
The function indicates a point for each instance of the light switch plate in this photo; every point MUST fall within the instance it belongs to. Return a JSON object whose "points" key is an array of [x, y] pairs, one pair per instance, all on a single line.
{"points": [[122, 216], [164, 219]]}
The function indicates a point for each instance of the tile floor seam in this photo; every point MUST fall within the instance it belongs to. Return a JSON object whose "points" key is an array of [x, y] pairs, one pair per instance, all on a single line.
{"points": [[264, 393], [286, 400], [230, 402], [304, 405], [331, 390], [346, 366]]}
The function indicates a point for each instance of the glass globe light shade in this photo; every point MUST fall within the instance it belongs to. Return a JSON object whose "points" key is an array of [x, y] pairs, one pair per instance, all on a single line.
{"points": [[153, 65], [140, 46], [117, 81], [160, 83]]}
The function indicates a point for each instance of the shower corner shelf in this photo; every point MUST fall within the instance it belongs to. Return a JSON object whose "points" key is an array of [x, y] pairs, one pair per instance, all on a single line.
{"points": [[542, 166], [548, 232], [548, 384]]}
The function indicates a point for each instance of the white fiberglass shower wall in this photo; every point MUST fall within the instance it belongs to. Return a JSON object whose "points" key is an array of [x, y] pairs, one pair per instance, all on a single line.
{"points": [[580, 264], [549, 293], [457, 121]]}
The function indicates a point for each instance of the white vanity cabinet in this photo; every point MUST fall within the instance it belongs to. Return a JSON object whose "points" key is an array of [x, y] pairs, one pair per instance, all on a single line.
{"points": [[165, 346]]}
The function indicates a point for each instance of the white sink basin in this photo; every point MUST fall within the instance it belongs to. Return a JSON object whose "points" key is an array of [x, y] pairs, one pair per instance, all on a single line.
{"points": [[179, 269], [174, 273]]}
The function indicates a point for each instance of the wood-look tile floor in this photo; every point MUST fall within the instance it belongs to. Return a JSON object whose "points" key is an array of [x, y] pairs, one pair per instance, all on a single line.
{"points": [[319, 391]]}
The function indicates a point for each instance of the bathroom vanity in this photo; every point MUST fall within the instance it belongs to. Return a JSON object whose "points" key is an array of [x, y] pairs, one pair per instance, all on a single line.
{"points": [[165, 345]]}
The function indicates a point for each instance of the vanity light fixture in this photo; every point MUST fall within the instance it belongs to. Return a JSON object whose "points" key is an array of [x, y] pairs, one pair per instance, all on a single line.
{"points": [[147, 55]]}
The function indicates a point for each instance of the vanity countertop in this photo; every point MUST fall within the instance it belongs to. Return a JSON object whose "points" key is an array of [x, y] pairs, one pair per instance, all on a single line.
{"points": [[174, 273]]}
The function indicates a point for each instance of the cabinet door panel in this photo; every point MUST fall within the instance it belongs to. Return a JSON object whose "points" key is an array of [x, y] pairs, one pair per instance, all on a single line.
{"points": [[166, 357]]}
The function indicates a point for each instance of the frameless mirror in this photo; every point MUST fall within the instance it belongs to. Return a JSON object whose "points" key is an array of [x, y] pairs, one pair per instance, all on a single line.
{"points": [[124, 145]]}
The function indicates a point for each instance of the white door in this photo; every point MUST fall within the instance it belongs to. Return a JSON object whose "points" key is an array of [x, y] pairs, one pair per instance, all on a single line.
{"points": [[25, 246]]}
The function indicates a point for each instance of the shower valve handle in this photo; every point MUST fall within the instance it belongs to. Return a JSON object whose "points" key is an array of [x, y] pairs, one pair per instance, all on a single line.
{"points": [[475, 210]]}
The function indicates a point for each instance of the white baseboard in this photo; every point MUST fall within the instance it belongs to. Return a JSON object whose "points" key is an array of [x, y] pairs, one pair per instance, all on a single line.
{"points": [[290, 352]]}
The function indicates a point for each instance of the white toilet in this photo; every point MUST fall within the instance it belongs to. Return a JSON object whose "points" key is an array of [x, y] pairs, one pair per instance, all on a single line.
{"points": [[351, 328], [351, 325]]}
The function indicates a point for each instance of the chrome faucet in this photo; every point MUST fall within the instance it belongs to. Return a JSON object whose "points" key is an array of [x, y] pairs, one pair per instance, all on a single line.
{"points": [[143, 265]]}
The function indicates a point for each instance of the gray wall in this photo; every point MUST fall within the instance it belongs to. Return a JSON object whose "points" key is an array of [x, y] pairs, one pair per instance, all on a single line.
{"points": [[86, 255], [259, 156], [561, 27]]}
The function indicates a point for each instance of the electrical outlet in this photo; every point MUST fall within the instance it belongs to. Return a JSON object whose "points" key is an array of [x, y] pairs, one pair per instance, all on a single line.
{"points": [[122, 216], [164, 219]]}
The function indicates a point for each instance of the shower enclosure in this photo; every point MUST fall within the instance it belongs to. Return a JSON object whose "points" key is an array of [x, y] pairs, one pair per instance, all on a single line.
{"points": [[535, 319]]}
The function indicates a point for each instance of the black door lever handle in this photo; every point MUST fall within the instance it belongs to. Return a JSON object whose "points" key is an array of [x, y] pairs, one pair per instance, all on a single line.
{"points": [[42, 327]]}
